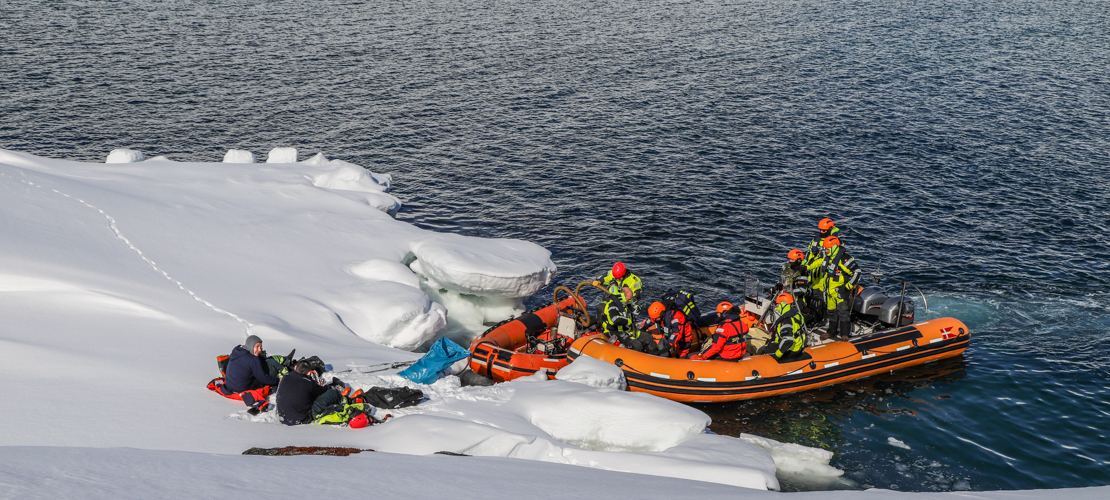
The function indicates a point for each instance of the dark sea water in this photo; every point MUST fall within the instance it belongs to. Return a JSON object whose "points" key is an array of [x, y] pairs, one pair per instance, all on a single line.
{"points": [[966, 144]]}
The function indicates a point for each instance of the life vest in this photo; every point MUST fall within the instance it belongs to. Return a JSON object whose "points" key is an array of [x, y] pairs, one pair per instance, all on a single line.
{"points": [[815, 260], [841, 271], [630, 280], [681, 301], [788, 333], [680, 332], [728, 340], [616, 318]]}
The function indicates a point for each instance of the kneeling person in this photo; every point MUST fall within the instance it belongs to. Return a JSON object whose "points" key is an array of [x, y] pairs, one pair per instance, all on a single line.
{"points": [[302, 400]]}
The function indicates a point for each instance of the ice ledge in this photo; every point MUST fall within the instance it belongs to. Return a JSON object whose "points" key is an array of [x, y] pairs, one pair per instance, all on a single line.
{"points": [[503, 268]]}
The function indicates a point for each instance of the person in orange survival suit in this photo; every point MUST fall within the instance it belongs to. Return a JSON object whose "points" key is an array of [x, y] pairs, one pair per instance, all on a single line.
{"points": [[674, 325], [729, 341]]}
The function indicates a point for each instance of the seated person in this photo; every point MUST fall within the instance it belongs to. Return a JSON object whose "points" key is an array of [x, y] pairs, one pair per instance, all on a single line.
{"points": [[679, 333], [729, 341], [301, 399], [252, 374], [788, 335]]}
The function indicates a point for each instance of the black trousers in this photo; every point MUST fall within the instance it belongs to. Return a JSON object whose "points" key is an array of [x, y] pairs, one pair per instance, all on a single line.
{"points": [[840, 320]]}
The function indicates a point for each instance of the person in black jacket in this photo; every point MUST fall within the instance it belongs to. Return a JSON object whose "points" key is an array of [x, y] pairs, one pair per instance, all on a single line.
{"points": [[251, 373], [301, 399]]}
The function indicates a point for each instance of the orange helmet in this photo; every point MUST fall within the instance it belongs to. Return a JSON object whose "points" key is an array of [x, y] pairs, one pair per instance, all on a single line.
{"points": [[724, 306], [784, 297], [825, 224], [619, 270], [831, 241], [656, 310], [795, 255]]}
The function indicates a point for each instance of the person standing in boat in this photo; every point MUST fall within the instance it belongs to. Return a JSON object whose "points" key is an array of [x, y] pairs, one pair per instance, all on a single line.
{"points": [[618, 323], [815, 260], [841, 276], [729, 341], [619, 278], [789, 336]]}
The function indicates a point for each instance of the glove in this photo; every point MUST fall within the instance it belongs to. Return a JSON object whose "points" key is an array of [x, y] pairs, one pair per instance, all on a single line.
{"points": [[697, 357]]}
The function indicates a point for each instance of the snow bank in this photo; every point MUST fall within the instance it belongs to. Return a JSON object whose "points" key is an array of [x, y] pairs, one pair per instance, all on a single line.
{"points": [[278, 246], [124, 156], [238, 156], [282, 155], [566, 423], [594, 373], [504, 268]]}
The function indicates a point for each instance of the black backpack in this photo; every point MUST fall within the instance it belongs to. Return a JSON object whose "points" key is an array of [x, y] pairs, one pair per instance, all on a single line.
{"points": [[399, 397]]}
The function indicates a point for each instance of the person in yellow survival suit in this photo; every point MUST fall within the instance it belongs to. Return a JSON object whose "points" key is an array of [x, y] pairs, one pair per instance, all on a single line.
{"points": [[841, 276], [619, 278]]}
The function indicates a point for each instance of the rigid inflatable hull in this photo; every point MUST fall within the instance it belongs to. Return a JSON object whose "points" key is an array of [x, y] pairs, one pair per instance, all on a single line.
{"points": [[762, 376], [495, 354]]}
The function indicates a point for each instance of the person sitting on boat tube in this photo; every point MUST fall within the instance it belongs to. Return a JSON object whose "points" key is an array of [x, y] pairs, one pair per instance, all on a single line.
{"points": [[677, 328], [789, 336], [841, 275], [729, 341], [617, 321], [619, 278]]}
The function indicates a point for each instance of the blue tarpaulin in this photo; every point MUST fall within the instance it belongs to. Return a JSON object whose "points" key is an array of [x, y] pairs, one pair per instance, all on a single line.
{"points": [[433, 365]]}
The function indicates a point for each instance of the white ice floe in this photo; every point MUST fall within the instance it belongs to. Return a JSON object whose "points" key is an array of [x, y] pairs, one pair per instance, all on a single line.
{"points": [[124, 156], [897, 443], [504, 268], [238, 156], [594, 373], [282, 155]]}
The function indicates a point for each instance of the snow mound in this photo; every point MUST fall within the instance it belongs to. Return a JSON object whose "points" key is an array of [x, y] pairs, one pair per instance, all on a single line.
{"points": [[388, 313], [355, 182], [282, 155], [594, 373], [561, 422], [504, 268], [124, 156], [385, 270], [238, 156]]}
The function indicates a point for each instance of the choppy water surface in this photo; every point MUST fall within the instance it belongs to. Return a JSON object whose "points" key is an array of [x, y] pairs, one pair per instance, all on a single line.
{"points": [[963, 143]]}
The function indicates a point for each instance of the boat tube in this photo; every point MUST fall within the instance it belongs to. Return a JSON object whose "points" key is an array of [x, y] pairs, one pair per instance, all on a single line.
{"points": [[523, 346], [833, 362]]}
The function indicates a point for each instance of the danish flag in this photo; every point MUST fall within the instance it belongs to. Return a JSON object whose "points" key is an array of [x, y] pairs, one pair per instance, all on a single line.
{"points": [[946, 333]]}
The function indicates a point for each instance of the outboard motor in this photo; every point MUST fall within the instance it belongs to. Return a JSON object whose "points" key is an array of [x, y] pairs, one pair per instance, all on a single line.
{"points": [[869, 301], [888, 312]]}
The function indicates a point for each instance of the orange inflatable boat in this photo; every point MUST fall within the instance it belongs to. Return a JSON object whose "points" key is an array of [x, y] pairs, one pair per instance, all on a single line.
{"points": [[761, 376], [525, 345]]}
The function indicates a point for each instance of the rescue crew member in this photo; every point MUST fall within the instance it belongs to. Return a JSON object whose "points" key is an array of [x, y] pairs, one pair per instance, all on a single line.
{"points": [[788, 335], [657, 344], [678, 331], [793, 268], [617, 322], [619, 278], [841, 275], [815, 263], [729, 341]]}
